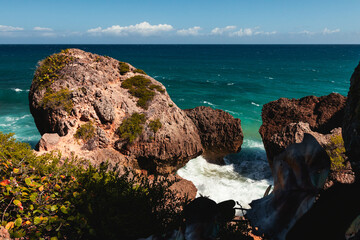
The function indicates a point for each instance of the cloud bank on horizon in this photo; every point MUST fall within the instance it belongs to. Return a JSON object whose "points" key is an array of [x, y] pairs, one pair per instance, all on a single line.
{"points": [[146, 30]]}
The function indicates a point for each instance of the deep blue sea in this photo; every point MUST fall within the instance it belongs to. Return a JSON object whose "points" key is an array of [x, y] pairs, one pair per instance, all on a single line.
{"points": [[236, 78]]}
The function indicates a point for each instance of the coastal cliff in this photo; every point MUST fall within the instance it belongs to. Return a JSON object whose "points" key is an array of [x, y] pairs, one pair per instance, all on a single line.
{"points": [[102, 109]]}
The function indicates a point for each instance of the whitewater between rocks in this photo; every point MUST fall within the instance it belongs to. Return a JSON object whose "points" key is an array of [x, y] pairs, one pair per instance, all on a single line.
{"points": [[244, 177]]}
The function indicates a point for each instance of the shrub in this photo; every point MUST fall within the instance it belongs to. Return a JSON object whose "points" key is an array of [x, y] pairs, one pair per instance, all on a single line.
{"points": [[58, 100], [42, 199], [139, 71], [50, 67], [336, 151], [141, 87], [132, 127], [123, 68], [85, 131], [155, 125]]}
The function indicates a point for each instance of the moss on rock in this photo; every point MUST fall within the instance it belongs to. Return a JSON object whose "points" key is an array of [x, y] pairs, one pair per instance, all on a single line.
{"points": [[85, 132], [336, 151], [141, 87], [132, 127], [58, 100], [123, 68], [50, 67]]}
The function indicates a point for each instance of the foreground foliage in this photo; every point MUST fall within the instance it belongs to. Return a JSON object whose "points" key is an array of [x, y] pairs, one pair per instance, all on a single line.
{"points": [[42, 197]]}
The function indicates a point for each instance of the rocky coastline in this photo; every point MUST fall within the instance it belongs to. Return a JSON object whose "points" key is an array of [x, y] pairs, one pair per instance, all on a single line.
{"points": [[101, 109]]}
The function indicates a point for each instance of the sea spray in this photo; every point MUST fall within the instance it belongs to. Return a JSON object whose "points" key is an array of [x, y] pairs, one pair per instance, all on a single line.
{"points": [[243, 178]]}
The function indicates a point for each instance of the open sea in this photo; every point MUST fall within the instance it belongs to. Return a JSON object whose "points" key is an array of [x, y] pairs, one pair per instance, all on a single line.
{"points": [[236, 78]]}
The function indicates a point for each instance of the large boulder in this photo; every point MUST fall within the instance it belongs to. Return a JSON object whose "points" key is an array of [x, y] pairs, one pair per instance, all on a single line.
{"points": [[351, 125], [323, 114], [220, 133], [104, 109]]}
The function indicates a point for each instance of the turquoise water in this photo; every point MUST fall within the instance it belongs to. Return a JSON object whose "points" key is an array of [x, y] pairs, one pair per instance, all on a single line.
{"points": [[236, 78]]}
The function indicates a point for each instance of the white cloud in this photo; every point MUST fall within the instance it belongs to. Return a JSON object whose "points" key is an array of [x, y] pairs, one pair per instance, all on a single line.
{"points": [[306, 32], [4, 28], [42, 29], [194, 31], [144, 28], [243, 32], [220, 31], [328, 31]]}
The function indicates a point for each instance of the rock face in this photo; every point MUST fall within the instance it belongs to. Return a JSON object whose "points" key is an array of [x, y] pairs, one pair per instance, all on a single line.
{"points": [[101, 109], [74, 88], [323, 114], [351, 125], [220, 133]]}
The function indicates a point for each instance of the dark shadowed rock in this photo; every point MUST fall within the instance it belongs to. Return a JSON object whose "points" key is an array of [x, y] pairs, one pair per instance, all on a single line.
{"points": [[323, 114], [351, 126], [220, 133]]}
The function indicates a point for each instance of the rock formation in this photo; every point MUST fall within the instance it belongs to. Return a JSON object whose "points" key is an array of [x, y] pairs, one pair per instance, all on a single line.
{"points": [[220, 133], [323, 114], [351, 125], [104, 110]]}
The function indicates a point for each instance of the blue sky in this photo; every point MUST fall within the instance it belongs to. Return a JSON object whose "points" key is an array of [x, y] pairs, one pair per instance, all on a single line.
{"points": [[185, 21]]}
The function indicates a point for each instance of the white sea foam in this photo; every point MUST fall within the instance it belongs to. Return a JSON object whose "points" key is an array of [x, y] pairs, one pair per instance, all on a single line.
{"points": [[209, 103], [230, 84], [15, 119], [269, 78], [243, 178], [17, 89], [255, 104]]}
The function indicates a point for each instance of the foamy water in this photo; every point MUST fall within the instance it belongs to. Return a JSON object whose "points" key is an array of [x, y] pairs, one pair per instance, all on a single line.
{"points": [[243, 178]]}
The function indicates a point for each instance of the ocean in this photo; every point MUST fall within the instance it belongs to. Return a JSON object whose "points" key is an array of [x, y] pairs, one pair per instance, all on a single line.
{"points": [[238, 79]]}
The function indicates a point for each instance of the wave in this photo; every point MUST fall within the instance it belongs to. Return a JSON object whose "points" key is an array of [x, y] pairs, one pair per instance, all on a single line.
{"points": [[209, 103], [221, 183], [19, 90], [255, 104], [15, 119], [230, 84]]}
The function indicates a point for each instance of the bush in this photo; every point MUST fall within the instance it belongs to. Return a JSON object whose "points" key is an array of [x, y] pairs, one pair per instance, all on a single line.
{"points": [[42, 199], [132, 127], [50, 67], [141, 87], [139, 71], [123, 68], [58, 100], [155, 125], [85, 132]]}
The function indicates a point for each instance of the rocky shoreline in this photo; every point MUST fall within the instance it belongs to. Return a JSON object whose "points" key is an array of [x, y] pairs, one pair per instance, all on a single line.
{"points": [[101, 109]]}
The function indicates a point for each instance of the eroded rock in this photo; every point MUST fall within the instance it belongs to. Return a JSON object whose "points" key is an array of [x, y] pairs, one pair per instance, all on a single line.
{"points": [[220, 133]]}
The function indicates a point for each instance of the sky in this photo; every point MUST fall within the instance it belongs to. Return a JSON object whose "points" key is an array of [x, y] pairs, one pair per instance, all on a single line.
{"points": [[180, 22]]}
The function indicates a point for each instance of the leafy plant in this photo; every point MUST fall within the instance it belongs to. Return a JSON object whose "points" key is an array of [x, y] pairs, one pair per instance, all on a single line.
{"points": [[155, 125], [132, 127], [43, 199], [85, 131], [58, 100], [123, 68], [141, 87]]}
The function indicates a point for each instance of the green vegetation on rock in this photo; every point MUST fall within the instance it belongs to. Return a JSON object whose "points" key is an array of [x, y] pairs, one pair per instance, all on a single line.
{"points": [[43, 199], [141, 87], [139, 71], [336, 151], [123, 68], [132, 127], [155, 125], [85, 131], [58, 100], [50, 67]]}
